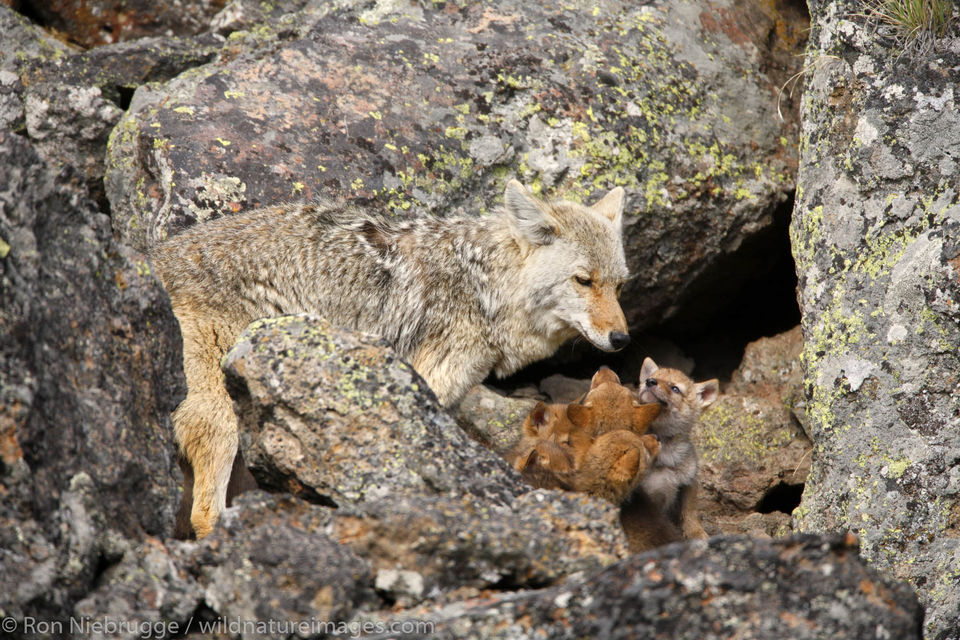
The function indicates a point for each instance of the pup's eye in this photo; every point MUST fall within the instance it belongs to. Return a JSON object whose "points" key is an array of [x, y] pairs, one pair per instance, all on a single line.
{"points": [[584, 282], [675, 389]]}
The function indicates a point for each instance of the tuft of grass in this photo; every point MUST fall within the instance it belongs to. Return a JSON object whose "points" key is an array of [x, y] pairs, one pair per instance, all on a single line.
{"points": [[915, 25]]}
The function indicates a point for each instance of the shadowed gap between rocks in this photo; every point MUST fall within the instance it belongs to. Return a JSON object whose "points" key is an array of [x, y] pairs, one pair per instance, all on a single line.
{"points": [[783, 497]]}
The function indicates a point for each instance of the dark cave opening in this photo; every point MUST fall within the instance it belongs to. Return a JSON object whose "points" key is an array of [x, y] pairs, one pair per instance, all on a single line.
{"points": [[781, 497], [746, 295]]}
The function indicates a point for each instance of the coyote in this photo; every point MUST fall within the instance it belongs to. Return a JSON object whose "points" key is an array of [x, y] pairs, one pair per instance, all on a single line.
{"points": [[457, 297], [672, 483]]}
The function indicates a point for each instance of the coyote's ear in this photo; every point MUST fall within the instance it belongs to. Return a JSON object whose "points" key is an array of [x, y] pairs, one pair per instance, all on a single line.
{"points": [[527, 214], [610, 206], [580, 415], [647, 370], [707, 391]]}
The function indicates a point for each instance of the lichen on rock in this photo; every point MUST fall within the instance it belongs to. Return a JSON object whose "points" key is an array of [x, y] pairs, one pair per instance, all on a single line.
{"points": [[875, 234]]}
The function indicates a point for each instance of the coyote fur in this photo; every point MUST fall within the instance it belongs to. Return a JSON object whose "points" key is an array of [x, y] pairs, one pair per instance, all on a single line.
{"points": [[457, 297], [672, 483]]}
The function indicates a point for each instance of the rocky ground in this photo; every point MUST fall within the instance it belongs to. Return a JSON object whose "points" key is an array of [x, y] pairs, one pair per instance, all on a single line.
{"points": [[125, 122]]}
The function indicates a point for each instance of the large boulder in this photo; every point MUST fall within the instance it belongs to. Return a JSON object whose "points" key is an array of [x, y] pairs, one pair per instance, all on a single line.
{"points": [[430, 108], [89, 372], [336, 416], [22, 43], [72, 102], [798, 588], [876, 238]]}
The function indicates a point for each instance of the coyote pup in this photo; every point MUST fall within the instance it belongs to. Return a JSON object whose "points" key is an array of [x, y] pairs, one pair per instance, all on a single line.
{"points": [[672, 483], [553, 453], [457, 297]]}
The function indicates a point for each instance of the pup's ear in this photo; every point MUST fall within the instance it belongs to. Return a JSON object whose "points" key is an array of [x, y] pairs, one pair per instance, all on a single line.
{"points": [[643, 415], [535, 419], [529, 218], [610, 206], [580, 415], [604, 374], [707, 392], [647, 370]]}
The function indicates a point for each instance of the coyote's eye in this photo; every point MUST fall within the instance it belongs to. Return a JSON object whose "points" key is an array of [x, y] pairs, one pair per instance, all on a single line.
{"points": [[619, 289], [675, 389], [583, 282]]}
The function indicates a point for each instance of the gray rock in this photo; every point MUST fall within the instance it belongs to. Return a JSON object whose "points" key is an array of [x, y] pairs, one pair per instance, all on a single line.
{"points": [[876, 239], [420, 109], [463, 544], [493, 419], [798, 588], [336, 416], [149, 589], [89, 371], [271, 561], [22, 42], [71, 103], [563, 389]]}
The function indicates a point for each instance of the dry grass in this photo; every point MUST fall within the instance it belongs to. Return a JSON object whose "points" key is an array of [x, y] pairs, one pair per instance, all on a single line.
{"points": [[915, 25]]}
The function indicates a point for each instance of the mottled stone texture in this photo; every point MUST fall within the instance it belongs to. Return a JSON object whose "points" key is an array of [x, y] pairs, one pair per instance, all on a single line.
{"points": [[430, 107], [338, 414], [876, 238], [751, 446], [89, 372], [797, 588]]}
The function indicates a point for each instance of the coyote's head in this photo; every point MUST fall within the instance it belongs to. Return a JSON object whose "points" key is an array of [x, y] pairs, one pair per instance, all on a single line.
{"points": [[574, 265]]}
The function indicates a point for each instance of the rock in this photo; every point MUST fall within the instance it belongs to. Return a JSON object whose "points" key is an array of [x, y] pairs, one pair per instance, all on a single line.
{"points": [[90, 23], [421, 108], [492, 419], [453, 545], [148, 589], [753, 454], [798, 588], [771, 366], [336, 416], [876, 239], [89, 372], [271, 560], [22, 43], [563, 389], [71, 103]]}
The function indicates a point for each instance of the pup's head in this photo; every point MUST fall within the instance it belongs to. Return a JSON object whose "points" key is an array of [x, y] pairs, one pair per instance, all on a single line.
{"points": [[574, 266], [549, 423], [617, 462], [547, 455], [681, 399], [609, 405]]}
